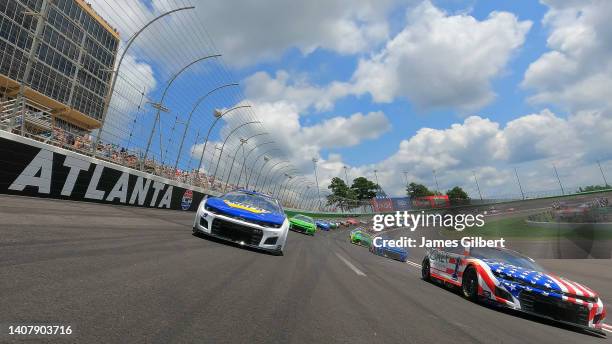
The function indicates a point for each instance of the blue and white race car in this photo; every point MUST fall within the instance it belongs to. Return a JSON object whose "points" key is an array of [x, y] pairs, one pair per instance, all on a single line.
{"points": [[380, 247], [507, 278], [244, 217], [323, 225]]}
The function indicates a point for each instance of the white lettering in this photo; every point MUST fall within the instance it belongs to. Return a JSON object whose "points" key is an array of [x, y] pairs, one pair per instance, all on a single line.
{"points": [[43, 162], [92, 188], [76, 166]]}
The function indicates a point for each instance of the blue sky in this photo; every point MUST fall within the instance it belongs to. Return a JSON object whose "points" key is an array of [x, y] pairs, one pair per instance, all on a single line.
{"points": [[398, 85]]}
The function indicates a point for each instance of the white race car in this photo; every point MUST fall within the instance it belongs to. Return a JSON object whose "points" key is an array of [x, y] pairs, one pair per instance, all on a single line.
{"points": [[245, 217]]}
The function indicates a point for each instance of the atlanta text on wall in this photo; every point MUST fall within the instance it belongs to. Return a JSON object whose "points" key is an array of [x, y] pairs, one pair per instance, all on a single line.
{"points": [[32, 168]]}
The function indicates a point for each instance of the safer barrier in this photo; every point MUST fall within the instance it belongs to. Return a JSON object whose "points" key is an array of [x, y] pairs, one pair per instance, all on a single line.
{"points": [[32, 168]]}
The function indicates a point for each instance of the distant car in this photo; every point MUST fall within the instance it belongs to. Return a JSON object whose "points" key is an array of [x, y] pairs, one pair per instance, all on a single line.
{"points": [[358, 236], [323, 225], [302, 223], [352, 222], [385, 250], [244, 217], [509, 279], [344, 223]]}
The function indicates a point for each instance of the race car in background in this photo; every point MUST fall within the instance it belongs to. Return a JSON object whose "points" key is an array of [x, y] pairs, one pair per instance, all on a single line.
{"points": [[302, 223], [358, 236], [384, 250], [352, 222], [323, 225], [244, 217], [509, 279]]}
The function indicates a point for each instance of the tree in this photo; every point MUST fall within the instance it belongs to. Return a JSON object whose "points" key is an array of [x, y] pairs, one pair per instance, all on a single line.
{"points": [[364, 188], [418, 190], [457, 194], [342, 195], [338, 187], [590, 188]]}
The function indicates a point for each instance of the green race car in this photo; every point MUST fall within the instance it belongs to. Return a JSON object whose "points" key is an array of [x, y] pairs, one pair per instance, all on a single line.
{"points": [[302, 223], [360, 237]]}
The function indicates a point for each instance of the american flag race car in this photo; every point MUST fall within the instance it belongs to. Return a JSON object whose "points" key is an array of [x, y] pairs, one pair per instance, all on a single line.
{"points": [[510, 279]]}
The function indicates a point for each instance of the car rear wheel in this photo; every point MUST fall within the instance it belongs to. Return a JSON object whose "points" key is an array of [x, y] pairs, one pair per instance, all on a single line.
{"points": [[469, 285], [425, 270]]}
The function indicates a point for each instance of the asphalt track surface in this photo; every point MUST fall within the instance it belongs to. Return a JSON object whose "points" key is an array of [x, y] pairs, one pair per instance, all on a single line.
{"points": [[128, 275]]}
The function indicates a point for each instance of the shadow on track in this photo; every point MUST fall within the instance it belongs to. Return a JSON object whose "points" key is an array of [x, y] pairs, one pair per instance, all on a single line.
{"points": [[234, 244]]}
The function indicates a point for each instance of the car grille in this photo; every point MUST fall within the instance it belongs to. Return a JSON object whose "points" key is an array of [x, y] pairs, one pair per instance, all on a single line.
{"points": [[554, 308], [236, 232]]}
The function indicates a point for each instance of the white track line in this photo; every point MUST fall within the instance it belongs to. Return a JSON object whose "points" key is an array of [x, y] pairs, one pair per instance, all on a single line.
{"points": [[350, 265], [413, 264]]}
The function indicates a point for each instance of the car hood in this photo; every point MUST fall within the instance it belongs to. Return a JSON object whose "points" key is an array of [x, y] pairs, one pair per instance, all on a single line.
{"points": [[247, 213], [537, 279]]}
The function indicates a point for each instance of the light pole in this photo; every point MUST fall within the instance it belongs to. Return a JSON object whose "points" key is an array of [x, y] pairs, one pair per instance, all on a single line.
{"points": [[559, 179], [195, 106], [346, 176], [266, 159], [225, 141], [242, 142], [477, 186], [218, 115], [436, 180], [109, 96], [314, 162], [246, 158], [602, 174], [519, 182], [377, 183], [263, 185], [160, 105], [271, 185], [286, 189]]}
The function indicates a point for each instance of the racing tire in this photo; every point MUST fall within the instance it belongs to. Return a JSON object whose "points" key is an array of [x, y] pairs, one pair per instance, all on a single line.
{"points": [[425, 270], [469, 284]]}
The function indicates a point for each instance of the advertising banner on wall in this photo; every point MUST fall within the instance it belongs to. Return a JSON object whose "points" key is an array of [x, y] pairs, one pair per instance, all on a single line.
{"points": [[32, 168]]}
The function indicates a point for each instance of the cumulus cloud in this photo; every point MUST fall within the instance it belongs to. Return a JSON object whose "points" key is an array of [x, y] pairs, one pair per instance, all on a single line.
{"points": [[577, 71], [263, 87], [248, 32], [440, 60], [534, 141]]}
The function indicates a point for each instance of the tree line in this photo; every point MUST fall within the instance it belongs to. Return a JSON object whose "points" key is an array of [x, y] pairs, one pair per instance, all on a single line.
{"points": [[348, 197]]}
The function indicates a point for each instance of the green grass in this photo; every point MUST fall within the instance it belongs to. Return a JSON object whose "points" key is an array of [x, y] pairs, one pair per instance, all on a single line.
{"points": [[517, 228]]}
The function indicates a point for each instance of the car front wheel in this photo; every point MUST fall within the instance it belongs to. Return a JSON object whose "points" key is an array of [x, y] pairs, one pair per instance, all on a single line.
{"points": [[469, 285]]}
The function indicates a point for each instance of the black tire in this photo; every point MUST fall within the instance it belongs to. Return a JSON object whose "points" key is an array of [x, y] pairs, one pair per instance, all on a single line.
{"points": [[469, 284], [425, 270]]}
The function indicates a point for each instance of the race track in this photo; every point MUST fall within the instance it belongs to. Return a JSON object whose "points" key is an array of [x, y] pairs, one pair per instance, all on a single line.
{"points": [[130, 275]]}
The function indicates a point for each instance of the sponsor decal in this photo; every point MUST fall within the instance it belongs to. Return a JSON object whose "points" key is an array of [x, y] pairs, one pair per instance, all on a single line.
{"points": [[187, 199], [245, 207]]}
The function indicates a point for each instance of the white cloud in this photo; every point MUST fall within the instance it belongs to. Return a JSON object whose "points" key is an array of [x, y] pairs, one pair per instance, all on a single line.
{"points": [[440, 60], [262, 87], [533, 142], [247, 32], [577, 71]]}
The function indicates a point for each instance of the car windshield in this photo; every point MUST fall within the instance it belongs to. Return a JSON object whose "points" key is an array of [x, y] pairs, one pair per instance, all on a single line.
{"points": [[254, 201], [303, 218], [506, 257]]}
